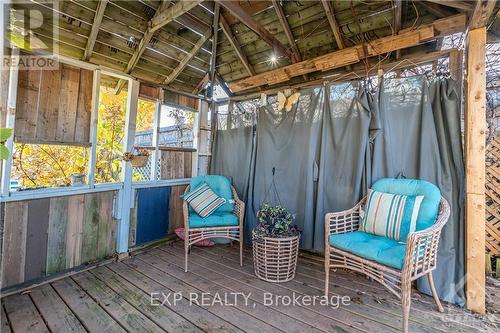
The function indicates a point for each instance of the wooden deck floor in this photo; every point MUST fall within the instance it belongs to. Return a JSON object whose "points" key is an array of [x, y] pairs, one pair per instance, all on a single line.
{"points": [[117, 297]]}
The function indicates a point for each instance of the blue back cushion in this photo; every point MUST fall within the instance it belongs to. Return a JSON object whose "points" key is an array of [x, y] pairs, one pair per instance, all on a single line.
{"points": [[221, 186], [432, 196]]}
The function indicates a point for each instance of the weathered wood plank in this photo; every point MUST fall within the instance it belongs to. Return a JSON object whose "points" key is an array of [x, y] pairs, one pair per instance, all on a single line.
{"points": [[84, 107], [310, 272], [14, 243], [68, 103], [128, 316], [74, 231], [199, 316], [176, 217], [216, 283], [46, 127], [27, 103], [90, 228], [56, 314], [23, 315], [36, 240], [90, 314], [161, 315], [56, 239], [4, 322], [105, 239], [318, 316]]}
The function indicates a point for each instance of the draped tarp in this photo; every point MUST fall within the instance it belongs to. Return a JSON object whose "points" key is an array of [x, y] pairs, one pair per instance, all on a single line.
{"points": [[344, 173], [326, 154], [288, 144], [419, 136]]}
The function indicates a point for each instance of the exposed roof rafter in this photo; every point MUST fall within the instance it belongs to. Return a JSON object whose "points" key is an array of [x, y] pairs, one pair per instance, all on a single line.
{"points": [[286, 27], [194, 50], [351, 55], [99, 14], [164, 15], [236, 45], [253, 25]]}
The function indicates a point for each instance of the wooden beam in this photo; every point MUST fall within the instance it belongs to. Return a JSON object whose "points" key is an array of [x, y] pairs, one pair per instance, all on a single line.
{"points": [[99, 14], [461, 5], [354, 54], [169, 14], [330, 15], [397, 21], [226, 29], [360, 70], [253, 25], [475, 142], [194, 50], [162, 17], [481, 14], [286, 28], [213, 59], [203, 82]]}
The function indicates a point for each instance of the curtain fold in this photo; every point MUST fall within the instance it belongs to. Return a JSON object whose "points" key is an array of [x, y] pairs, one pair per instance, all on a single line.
{"points": [[418, 136], [287, 160], [337, 140], [344, 174]]}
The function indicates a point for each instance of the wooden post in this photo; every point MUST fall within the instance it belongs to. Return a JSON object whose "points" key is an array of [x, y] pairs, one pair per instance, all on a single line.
{"points": [[96, 88], [10, 120], [126, 194], [475, 141], [156, 138]]}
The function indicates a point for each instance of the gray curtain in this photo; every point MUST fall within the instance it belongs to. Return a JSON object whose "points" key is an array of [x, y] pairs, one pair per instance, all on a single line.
{"points": [[417, 135], [344, 173], [234, 149], [286, 167], [322, 156]]}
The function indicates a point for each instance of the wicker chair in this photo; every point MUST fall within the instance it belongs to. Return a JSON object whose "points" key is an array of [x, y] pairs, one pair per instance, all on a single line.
{"points": [[232, 232], [419, 260]]}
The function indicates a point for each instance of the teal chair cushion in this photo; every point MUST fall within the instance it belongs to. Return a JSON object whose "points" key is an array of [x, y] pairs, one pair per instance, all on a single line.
{"points": [[213, 220], [432, 196], [221, 186], [383, 250]]}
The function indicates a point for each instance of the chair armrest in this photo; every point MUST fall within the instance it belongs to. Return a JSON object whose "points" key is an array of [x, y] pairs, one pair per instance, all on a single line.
{"points": [[422, 246], [344, 221], [239, 206], [185, 211]]}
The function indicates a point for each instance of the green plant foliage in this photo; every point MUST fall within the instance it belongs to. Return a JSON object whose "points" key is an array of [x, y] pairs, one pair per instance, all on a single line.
{"points": [[5, 133], [275, 222]]}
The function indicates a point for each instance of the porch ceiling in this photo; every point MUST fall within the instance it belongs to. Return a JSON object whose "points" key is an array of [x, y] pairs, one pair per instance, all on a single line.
{"points": [[162, 41]]}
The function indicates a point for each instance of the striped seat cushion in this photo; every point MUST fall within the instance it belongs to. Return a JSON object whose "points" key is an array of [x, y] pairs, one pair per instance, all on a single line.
{"points": [[203, 200], [390, 215]]}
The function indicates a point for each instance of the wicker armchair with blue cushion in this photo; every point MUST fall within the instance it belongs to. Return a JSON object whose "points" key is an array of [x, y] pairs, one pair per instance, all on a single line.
{"points": [[225, 222], [393, 262]]}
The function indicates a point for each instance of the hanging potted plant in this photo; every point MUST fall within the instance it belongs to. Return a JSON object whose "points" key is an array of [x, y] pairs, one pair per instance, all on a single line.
{"points": [[275, 244], [138, 158]]}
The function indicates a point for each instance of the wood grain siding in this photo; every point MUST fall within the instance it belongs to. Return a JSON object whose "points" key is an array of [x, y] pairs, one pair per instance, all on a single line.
{"points": [[149, 92], [54, 106], [46, 236], [175, 164], [173, 98]]}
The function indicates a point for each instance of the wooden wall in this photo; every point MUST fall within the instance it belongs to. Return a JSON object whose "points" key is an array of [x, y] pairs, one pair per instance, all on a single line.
{"points": [[46, 236], [54, 106], [175, 163], [180, 100]]}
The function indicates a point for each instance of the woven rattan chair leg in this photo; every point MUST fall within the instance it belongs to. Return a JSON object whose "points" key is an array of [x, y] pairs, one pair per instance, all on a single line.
{"points": [[434, 293], [186, 251], [406, 302], [241, 251], [327, 270]]}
